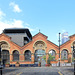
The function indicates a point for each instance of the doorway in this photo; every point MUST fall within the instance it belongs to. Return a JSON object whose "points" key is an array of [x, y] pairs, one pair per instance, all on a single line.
{"points": [[39, 57]]}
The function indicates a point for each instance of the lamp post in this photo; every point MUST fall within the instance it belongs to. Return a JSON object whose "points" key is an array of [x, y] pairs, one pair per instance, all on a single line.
{"points": [[74, 55], [59, 49], [0, 63]]}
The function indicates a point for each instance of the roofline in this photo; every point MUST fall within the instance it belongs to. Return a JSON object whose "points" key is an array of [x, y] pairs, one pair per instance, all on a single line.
{"points": [[41, 33], [71, 35]]}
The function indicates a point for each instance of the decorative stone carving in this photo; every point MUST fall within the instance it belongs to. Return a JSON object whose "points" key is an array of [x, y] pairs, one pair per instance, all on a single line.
{"points": [[39, 45]]}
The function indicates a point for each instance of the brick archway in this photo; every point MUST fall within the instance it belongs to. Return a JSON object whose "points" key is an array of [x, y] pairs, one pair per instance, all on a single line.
{"points": [[39, 51]]}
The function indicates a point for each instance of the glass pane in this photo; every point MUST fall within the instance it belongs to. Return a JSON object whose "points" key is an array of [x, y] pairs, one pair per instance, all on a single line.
{"points": [[5, 55], [15, 55], [27, 55], [64, 54], [39, 53]]}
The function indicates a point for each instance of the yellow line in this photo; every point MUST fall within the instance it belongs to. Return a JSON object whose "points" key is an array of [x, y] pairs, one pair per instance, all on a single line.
{"points": [[19, 73], [60, 73]]}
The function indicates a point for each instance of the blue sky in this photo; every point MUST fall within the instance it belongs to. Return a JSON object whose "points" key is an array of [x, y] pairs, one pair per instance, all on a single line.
{"points": [[50, 16]]}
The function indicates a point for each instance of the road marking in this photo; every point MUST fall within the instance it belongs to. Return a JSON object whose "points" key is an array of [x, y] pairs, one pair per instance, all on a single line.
{"points": [[19, 73], [60, 73]]}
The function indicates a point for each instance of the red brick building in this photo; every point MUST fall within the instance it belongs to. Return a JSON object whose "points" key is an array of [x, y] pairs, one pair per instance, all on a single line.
{"points": [[30, 52]]}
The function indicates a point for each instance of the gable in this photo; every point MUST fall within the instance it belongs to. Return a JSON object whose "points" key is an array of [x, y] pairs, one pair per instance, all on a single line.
{"points": [[72, 36], [39, 34], [4, 37]]}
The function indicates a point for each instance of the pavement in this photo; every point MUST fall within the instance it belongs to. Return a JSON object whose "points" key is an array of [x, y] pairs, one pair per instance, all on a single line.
{"points": [[38, 71]]}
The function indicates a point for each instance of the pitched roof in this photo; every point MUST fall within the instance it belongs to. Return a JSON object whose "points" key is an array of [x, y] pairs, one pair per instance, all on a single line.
{"points": [[72, 36], [40, 34], [9, 38], [64, 43], [5, 35], [53, 43], [68, 40]]}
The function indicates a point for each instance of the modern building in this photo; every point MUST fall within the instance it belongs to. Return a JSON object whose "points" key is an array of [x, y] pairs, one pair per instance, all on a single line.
{"points": [[65, 37], [20, 36], [32, 52]]}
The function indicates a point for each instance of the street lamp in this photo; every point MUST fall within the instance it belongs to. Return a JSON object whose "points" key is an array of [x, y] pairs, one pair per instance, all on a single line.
{"points": [[74, 55], [0, 63], [59, 49]]}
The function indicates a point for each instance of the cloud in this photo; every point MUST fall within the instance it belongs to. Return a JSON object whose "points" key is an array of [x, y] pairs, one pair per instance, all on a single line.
{"points": [[12, 23], [30, 29], [15, 7], [2, 14], [8, 24]]}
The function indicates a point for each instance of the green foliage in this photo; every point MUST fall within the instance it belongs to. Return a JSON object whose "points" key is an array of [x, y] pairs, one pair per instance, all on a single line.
{"points": [[51, 57], [17, 62], [63, 58], [7, 63], [44, 57], [39, 62], [72, 59]]}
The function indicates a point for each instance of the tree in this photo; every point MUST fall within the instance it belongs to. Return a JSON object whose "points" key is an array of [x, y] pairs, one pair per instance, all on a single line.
{"points": [[50, 58], [44, 57]]}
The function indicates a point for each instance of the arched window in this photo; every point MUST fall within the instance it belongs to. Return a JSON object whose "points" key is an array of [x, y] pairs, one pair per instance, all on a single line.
{"points": [[5, 55], [64, 54], [15, 55], [27, 55], [53, 53]]}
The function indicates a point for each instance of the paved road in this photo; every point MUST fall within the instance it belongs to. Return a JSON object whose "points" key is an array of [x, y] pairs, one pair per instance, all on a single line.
{"points": [[39, 71]]}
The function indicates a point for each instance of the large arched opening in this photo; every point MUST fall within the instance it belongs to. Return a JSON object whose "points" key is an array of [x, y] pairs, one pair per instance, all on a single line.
{"points": [[39, 48], [4, 52], [27, 55], [5, 56], [64, 54], [52, 52], [15, 55]]}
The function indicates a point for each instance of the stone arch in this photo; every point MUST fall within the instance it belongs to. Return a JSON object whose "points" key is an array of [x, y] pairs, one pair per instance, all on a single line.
{"points": [[4, 45], [65, 49], [72, 43], [52, 49], [14, 50], [27, 55], [15, 55], [27, 49]]}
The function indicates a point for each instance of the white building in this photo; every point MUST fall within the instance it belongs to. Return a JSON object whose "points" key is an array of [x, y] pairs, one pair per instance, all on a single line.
{"points": [[65, 37]]}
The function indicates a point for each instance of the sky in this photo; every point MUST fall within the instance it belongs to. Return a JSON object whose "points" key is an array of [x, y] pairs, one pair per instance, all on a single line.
{"points": [[48, 16]]}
